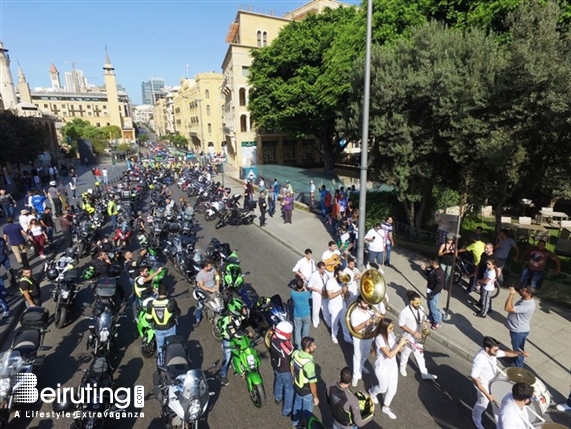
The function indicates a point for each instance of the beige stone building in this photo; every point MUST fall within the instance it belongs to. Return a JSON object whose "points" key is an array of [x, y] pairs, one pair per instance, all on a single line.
{"points": [[164, 113], [101, 106], [246, 145], [197, 108]]}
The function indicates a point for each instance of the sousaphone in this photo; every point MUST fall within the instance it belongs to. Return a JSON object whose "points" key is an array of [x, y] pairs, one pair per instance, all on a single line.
{"points": [[373, 288]]}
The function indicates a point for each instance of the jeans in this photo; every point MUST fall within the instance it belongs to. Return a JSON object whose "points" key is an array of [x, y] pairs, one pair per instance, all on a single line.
{"points": [[198, 311], [283, 391], [518, 344], [161, 336], [226, 356], [486, 301], [376, 257], [9, 210], [50, 234], [301, 329], [3, 302], [434, 313], [114, 221], [388, 248], [531, 277], [302, 408], [272, 205], [447, 271]]}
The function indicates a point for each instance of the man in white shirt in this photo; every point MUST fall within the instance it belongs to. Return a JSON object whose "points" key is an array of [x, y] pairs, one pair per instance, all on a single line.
{"points": [[361, 318], [24, 219], [412, 320], [335, 293], [316, 284], [513, 413], [327, 257], [105, 175], [484, 370], [376, 238], [353, 285], [305, 266]]}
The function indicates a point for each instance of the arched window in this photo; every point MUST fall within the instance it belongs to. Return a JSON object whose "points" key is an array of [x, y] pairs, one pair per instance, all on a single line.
{"points": [[243, 123], [208, 110], [242, 96], [207, 94], [265, 38], [259, 38]]}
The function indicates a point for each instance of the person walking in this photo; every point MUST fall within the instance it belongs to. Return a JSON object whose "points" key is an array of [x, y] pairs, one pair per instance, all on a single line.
{"points": [[387, 227], [519, 319], [335, 292], [434, 288], [273, 198], [16, 237], [300, 298], [344, 404], [484, 370], [47, 223], [281, 349], [304, 381], [30, 288], [487, 285], [503, 247], [36, 231], [8, 203], [263, 205], [316, 284], [305, 266], [534, 271], [287, 206], [386, 370], [162, 312], [73, 189], [66, 223]]}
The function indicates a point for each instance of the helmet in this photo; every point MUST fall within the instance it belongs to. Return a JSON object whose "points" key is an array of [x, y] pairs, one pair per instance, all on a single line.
{"points": [[114, 270], [283, 330], [233, 276], [199, 294], [52, 183], [235, 306], [97, 183], [71, 252], [90, 191], [217, 184], [52, 274], [366, 405]]}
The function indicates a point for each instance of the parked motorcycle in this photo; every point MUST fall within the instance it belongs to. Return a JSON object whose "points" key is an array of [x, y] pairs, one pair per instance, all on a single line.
{"points": [[213, 306], [122, 234], [64, 292], [103, 331], [246, 363], [234, 215]]}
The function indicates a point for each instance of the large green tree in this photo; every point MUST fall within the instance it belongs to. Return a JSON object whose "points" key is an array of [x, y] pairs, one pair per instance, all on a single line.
{"points": [[22, 138], [78, 129]]}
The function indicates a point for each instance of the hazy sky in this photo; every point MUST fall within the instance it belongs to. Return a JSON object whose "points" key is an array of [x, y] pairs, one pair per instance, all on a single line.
{"points": [[143, 38]]}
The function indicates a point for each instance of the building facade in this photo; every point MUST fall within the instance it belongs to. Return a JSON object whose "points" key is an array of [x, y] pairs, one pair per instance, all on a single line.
{"points": [[198, 112], [153, 90], [245, 144], [164, 113]]}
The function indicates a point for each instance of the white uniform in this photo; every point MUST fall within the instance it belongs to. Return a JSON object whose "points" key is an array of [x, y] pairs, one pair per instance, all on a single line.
{"points": [[352, 285], [328, 254], [305, 266], [413, 319], [511, 416], [361, 348], [386, 370], [337, 311], [484, 368], [318, 302]]}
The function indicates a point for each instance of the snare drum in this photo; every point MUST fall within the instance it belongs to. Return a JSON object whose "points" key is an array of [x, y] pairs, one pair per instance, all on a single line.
{"points": [[541, 398]]}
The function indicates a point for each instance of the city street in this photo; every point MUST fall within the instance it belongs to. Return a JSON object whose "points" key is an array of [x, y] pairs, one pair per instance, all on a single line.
{"points": [[442, 404]]}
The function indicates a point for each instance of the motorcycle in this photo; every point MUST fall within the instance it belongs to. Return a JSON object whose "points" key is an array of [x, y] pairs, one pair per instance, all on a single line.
{"points": [[122, 234], [103, 332], [213, 304], [22, 358], [234, 215], [146, 331], [63, 293], [246, 363]]}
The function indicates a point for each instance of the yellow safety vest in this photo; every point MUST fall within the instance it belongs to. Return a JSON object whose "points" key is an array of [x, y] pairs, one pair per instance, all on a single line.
{"points": [[162, 317]]}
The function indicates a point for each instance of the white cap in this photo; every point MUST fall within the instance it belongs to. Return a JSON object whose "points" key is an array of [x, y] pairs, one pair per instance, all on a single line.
{"points": [[284, 330]]}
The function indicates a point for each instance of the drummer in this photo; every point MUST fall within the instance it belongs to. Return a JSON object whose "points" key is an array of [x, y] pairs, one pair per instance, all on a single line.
{"points": [[484, 370], [512, 414]]}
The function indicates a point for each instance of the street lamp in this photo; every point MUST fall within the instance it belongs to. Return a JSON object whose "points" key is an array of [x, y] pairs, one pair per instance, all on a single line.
{"points": [[199, 100], [365, 141]]}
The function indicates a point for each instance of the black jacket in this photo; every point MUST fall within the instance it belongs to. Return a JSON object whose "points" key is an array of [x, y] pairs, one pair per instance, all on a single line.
{"points": [[436, 280]]}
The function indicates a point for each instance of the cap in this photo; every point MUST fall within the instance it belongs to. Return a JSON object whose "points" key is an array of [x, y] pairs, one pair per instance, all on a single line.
{"points": [[287, 181], [449, 236], [52, 183], [24, 211]]}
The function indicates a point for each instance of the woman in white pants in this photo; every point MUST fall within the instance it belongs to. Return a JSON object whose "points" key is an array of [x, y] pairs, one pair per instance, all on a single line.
{"points": [[316, 284], [386, 367], [335, 292]]}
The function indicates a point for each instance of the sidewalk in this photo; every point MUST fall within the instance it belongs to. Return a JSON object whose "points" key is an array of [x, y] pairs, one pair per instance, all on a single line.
{"points": [[549, 342]]}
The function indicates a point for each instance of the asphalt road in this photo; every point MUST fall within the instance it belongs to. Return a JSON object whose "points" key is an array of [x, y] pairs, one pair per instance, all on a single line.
{"points": [[442, 404]]}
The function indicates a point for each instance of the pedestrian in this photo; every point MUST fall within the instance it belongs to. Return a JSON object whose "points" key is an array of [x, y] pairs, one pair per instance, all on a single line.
{"points": [[66, 223], [344, 404], [73, 188], [305, 267], [300, 298], [263, 205], [565, 406], [361, 319], [47, 222], [487, 285], [412, 320], [335, 293], [38, 202], [30, 288], [73, 175], [287, 188], [354, 274], [481, 269], [36, 232], [114, 162], [7, 203], [62, 193], [534, 271], [316, 284], [322, 195], [281, 349], [305, 382], [311, 194], [434, 288], [274, 197], [3, 303], [287, 206], [248, 193], [97, 174], [113, 211], [484, 370], [208, 281], [386, 369], [503, 247], [446, 254], [519, 319], [513, 412], [376, 239], [387, 227], [105, 175], [162, 312], [16, 237], [53, 196], [261, 184]]}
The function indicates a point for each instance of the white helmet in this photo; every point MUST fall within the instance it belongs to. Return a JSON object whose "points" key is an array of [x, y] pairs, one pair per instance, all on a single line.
{"points": [[52, 183], [90, 191], [283, 330]]}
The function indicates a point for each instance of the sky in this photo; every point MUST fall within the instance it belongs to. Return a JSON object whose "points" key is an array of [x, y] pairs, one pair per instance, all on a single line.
{"points": [[143, 38]]}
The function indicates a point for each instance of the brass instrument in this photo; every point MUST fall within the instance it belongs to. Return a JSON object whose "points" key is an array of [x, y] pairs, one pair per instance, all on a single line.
{"points": [[373, 289], [424, 333], [345, 279]]}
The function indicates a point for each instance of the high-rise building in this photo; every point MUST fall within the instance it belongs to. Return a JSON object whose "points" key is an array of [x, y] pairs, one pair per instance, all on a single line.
{"points": [[75, 81], [152, 90]]}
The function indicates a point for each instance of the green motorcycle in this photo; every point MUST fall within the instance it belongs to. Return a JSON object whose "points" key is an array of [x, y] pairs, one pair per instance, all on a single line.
{"points": [[146, 331], [246, 363]]}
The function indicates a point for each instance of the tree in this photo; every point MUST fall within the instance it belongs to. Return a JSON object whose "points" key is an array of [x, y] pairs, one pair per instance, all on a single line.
{"points": [[177, 140], [290, 83], [112, 131], [143, 138], [22, 138]]}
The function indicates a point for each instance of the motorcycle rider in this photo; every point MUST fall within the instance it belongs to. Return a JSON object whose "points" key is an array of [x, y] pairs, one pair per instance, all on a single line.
{"points": [[280, 351], [30, 288], [143, 284], [162, 312], [208, 281], [305, 381], [101, 265], [229, 326], [112, 211]]}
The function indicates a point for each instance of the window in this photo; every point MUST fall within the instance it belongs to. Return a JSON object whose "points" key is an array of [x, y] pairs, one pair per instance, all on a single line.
{"points": [[207, 94], [97, 124], [88, 113], [45, 106], [209, 128], [243, 123], [207, 110], [265, 38], [242, 96], [259, 38], [104, 107], [245, 71]]}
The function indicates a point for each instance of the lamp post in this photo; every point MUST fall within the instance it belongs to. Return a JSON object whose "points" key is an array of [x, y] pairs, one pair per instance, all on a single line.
{"points": [[365, 141], [199, 100]]}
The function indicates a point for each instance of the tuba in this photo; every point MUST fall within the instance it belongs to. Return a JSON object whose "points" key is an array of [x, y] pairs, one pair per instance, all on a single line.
{"points": [[373, 288]]}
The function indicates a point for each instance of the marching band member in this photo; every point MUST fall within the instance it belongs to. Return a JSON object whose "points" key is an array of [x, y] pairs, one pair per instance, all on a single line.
{"points": [[412, 320], [352, 286], [316, 284], [305, 266], [386, 348], [513, 413], [335, 292], [361, 318]]}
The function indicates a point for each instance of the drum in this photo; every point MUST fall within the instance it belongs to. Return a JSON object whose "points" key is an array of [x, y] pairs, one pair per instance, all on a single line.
{"points": [[551, 425], [541, 398]]}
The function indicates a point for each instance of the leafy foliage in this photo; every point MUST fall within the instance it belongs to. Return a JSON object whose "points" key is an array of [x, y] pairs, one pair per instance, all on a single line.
{"points": [[78, 129], [22, 139], [177, 140]]}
